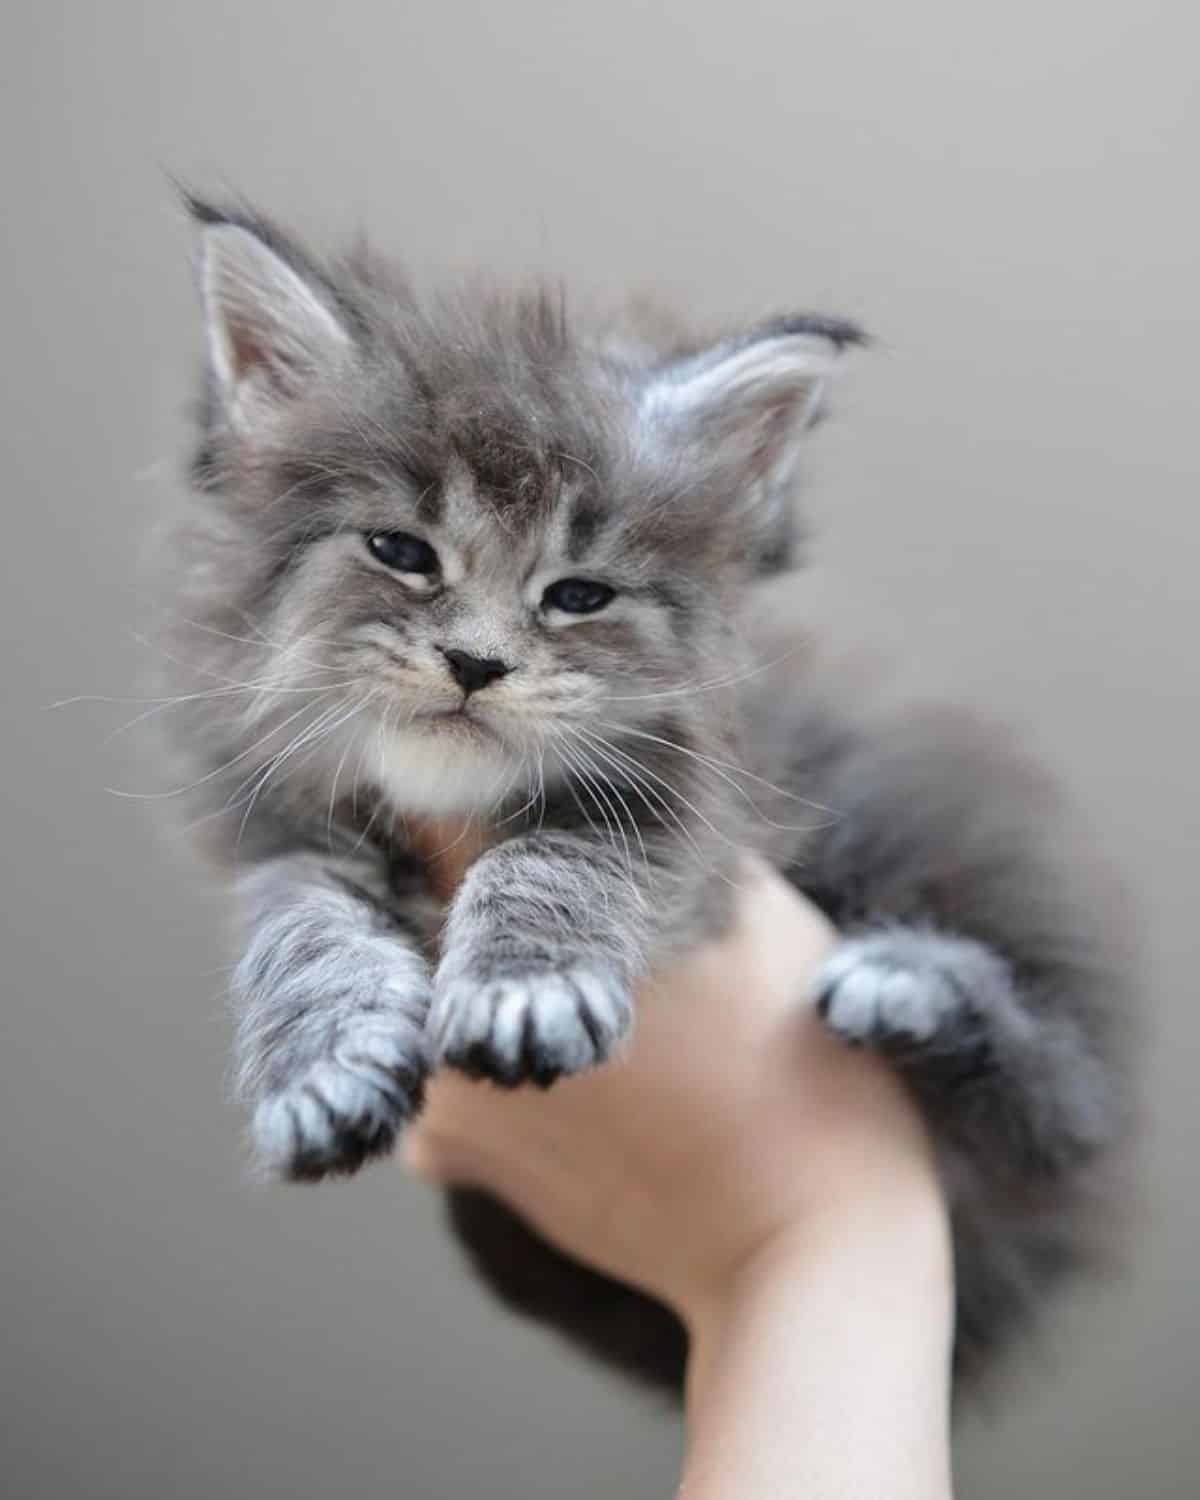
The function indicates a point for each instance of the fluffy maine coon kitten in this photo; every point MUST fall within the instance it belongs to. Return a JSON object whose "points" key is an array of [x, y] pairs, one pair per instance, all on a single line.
{"points": [[457, 559]]}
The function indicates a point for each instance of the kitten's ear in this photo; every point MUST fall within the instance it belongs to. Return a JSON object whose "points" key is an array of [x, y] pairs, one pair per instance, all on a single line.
{"points": [[748, 400], [271, 324]]}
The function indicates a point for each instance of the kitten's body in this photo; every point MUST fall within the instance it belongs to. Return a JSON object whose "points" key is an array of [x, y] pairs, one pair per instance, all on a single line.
{"points": [[372, 605]]}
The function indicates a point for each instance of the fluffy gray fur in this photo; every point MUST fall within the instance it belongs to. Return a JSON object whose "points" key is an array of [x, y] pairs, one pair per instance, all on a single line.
{"points": [[614, 761]]}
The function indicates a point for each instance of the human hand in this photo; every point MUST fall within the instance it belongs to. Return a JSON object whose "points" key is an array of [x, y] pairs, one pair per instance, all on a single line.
{"points": [[734, 1123], [773, 1186]]}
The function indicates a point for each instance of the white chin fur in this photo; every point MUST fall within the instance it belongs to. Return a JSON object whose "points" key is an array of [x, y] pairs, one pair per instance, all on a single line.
{"points": [[445, 771]]}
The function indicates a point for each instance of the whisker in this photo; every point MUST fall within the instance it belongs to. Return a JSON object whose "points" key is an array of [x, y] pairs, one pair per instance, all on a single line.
{"points": [[326, 724], [691, 807], [524, 808], [167, 700], [541, 767], [589, 783], [218, 770], [381, 732], [721, 767], [263, 640], [599, 782], [573, 458], [454, 842], [337, 775], [728, 680], [636, 774], [212, 693], [608, 782], [570, 764]]}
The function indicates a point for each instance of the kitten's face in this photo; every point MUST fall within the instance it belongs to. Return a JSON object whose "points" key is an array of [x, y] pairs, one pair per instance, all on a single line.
{"points": [[486, 550], [492, 643]]}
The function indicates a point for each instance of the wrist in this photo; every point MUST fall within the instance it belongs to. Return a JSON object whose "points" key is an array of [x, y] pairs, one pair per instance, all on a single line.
{"points": [[887, 1244], [823, 1364], [893, 1213]]}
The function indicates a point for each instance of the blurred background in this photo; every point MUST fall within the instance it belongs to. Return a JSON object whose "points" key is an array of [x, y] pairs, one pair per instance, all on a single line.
{"points": [[1007, 501]]}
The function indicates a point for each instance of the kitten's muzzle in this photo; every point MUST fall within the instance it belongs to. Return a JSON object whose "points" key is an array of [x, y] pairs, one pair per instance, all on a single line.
{"points": [[473, 672]]}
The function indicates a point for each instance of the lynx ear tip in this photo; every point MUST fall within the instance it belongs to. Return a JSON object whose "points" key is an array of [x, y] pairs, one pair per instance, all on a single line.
{"points": [[201, 209], [842, 333], [205, 211]]}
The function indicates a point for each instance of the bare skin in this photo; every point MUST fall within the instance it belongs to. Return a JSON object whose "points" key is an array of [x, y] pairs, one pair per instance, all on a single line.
{"points": [[774, 1187]]}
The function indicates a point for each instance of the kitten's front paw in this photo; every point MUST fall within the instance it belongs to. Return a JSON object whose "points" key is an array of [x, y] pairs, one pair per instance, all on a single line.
{"points": [[529, 1027], [342, 1109], [902, 989]]}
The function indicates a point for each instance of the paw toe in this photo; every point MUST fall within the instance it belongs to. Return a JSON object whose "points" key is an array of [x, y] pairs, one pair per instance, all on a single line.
{"points": [[341, 1112], [530, 1028], [870, 991]]}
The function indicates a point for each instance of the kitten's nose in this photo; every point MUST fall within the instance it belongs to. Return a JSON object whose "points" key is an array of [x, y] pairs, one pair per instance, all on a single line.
{"points": [[473, 672]]}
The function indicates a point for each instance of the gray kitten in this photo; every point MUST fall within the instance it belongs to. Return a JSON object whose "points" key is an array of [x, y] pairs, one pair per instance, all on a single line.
{"points": [[458, 564]]}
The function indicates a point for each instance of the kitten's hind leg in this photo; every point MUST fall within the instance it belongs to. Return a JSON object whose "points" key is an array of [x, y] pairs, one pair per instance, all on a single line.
{"points": [[1019, 1085], [904, 990]]}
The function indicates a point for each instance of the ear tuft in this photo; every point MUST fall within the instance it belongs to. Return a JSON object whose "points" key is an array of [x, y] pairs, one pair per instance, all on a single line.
{"points": [[840, 332], [200, 211]]}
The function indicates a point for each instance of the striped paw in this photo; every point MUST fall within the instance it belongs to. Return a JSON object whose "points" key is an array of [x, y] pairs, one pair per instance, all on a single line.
{"points": [[529, 1027], [342, 1109], [904, 988]]}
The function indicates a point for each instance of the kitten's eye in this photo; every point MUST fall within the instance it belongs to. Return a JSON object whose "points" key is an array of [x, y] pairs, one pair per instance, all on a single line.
{"points": [[578, 596], [402, 552]]}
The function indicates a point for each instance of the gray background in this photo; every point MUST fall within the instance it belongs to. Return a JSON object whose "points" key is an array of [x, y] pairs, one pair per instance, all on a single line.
{"points": [[1008, 196]]}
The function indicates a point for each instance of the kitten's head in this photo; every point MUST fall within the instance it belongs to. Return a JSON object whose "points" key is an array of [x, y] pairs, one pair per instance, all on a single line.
{"points": [[498, 541]]}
